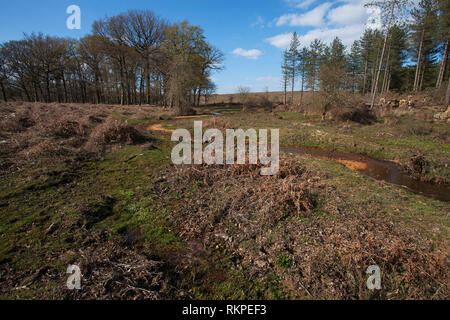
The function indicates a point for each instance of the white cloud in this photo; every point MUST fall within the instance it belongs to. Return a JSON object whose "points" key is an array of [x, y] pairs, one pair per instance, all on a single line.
{"points": [[347, 34], [354, 12], [280, 41], [259, 22], [314, 17], [249, 54], [348, 14], [374, 20], [300, 3], [346, 21]]}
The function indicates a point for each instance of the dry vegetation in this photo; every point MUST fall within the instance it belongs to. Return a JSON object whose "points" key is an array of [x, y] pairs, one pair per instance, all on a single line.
{"points": [[86, 185], [272, 226], [32, 130]]}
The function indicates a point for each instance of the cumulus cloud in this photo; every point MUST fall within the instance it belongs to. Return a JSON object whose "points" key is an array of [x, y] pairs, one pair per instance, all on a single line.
{"points": [[348, 14], [347, 34], [314, 17], [280, 41], [253, 54], [346, 21]]}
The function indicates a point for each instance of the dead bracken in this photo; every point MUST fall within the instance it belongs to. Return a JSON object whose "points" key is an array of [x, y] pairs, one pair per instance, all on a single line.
{"points": [[260, 218]]}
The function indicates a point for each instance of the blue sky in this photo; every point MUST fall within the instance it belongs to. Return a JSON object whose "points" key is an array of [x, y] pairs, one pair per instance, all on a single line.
{"points": [[251, 33]]}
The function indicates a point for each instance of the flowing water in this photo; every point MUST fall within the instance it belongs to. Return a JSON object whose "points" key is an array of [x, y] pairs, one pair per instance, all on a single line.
{"points": [[380, 170]]}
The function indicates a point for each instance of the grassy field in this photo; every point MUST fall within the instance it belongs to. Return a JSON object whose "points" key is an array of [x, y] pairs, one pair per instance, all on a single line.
{"points": [[88, 185]]}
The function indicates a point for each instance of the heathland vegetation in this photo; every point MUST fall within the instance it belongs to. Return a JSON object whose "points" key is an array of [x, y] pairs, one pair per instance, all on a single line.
{"points": [[87, 177]]}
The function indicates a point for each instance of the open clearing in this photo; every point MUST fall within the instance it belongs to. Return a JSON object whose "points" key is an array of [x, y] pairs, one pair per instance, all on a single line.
{"points": [[93, 185]]}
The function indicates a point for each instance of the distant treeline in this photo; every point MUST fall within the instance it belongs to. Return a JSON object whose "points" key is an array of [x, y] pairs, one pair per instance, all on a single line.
{"points": [[409, 54], [132, 58]]}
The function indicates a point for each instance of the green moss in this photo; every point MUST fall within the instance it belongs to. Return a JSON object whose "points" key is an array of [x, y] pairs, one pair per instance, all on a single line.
{"points": [[283, 261]]}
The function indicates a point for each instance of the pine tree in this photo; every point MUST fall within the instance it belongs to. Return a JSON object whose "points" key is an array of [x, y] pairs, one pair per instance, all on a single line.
{"points": [[337, 53], [285, 74], [355, 66], [423, 38], [293, 58], [304, 54], [370, 44], [313, 62], [443, 7], [391, 12], [394, 71]]}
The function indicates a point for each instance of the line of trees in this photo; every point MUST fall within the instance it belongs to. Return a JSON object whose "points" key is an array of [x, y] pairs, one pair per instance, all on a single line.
{"points": [[131, 58], [408, 55]]}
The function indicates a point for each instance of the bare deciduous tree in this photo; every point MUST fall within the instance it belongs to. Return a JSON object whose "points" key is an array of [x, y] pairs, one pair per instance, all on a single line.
{"points": [[244, 96]]}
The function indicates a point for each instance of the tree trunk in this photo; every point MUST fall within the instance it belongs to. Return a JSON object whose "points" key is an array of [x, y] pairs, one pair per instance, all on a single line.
{"points": [[36, 94], [383, 86], [419, 62], [141, 89], [97, 89], [382, 56], [198, 96], [285, 79], [3, 91], [443, 65], [421, 77], [47, 86], [147, 73], [314, 83], [447, 95], [27, 94], [386, 70], [374, 72], [293, 82], [65, 88], [301, 93], [388, 86], [365, 77]]}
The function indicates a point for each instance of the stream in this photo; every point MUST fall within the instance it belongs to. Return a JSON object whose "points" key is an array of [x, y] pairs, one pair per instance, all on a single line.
{"points": [[378, 169]]}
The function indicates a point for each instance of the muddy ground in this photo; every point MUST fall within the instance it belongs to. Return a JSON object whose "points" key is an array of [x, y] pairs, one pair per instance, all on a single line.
{"points": [[94, 186]]}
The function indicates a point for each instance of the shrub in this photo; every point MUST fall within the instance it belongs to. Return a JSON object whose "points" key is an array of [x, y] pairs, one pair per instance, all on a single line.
{"points": [[361, 114], [67, 128], [266, 103], [111, 132], [17, 122], [244, 96]]}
